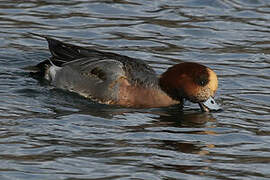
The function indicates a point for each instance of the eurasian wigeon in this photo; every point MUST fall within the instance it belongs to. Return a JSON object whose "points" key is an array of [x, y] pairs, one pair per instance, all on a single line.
{"points": [[111, 78]]}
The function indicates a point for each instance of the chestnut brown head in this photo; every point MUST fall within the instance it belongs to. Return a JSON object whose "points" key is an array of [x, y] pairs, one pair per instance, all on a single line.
{"points": [[192, 81]]}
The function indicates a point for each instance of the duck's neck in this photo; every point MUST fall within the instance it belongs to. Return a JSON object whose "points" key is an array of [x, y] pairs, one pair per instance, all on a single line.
{"points": [[167, 84], [137, 96]]}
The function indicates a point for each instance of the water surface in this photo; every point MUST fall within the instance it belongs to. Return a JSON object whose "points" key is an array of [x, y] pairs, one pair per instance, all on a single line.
{"points": [[47, 133]]}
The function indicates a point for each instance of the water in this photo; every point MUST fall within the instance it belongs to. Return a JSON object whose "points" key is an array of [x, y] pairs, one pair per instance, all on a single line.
{"points": [[50, 134]]}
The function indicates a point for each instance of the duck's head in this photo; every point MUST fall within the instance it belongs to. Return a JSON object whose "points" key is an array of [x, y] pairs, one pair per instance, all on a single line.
{"points": [[192, 81]]}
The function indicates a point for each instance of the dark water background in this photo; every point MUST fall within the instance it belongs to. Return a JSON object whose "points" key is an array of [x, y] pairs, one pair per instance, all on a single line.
{"points": [[51, 134]]}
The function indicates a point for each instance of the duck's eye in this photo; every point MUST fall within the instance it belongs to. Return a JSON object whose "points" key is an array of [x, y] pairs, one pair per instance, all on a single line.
{"points": [[203, 82]]}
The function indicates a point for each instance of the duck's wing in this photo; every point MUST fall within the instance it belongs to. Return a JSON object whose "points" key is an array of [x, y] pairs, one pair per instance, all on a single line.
{"points": [[98, 68], [95, 78]]}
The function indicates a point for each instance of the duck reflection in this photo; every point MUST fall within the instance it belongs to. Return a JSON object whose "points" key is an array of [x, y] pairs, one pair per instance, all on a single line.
{"points": [[164, 119], [187, 118]]}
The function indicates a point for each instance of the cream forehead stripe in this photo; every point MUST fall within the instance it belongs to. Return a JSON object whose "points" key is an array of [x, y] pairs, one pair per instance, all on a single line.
{"points": [[213, 80]]}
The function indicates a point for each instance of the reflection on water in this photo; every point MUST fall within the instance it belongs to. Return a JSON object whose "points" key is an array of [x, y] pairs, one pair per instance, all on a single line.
{"points": [[52, 134]]}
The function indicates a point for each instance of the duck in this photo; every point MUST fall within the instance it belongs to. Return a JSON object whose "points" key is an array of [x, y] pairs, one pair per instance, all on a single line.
{"points": [[114, 79]]}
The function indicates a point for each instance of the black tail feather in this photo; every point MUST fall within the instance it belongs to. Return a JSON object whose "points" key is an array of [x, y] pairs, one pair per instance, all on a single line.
{"points": [[62, 51]]}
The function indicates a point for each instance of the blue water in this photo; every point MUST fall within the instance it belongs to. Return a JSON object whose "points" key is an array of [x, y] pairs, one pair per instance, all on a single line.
{"points": [[51, 134]]}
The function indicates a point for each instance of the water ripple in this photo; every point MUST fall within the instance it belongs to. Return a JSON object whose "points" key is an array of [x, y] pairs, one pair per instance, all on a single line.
{"points": [[52, 134]]}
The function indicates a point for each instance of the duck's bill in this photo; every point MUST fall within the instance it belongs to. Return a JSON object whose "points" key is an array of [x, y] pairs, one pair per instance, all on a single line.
{"points": [[209, 105]]}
